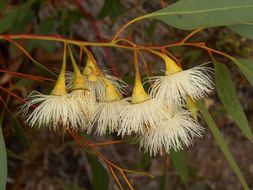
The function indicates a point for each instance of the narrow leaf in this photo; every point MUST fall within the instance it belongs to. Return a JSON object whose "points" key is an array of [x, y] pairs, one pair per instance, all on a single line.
{"points": [[3, 159], [221, 142], [7, 20], [145, 161], [105, 11], [24, 17], [12, 154], [162, 181], [3, 4], [99, 175], [46, 27], [244, 29], [246, 67], [36, 63], [111, 8], [179, 162], [19, 132], [192, 14], [227, 94]]}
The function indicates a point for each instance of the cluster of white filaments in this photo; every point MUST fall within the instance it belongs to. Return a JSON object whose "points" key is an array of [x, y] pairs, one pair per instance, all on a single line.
{"points": [[176, 87], [107, 116], [139, 118], [176, 130], [163, 119], [62, 110], [95, 80], [54, 111]]}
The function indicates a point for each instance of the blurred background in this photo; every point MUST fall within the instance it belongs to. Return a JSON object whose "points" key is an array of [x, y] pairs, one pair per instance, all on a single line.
{"points": [[52, 161]]}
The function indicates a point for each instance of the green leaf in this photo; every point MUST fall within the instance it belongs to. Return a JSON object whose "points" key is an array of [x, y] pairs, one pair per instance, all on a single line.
{"points": [[117, 9], [150, 30], [179, 162], [105, 11], [3, 4], [145, 161], [3, 158], [99, 175], [227, 94], [162, 181], [244, 29], [17, 19], [7, 20], [67, 19], [111, 8], [19, 132], [12, 154], [192, 14], [46, 27], [24, 18], [246, 67], [221, 142]]}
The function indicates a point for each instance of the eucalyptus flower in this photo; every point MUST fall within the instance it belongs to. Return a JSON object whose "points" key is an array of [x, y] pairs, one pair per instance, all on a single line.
{"points": [[177, 84], [62, 110], [107, 113], [55, 111], [81, 94], [143, 113], [175, 132], [94, 78]]}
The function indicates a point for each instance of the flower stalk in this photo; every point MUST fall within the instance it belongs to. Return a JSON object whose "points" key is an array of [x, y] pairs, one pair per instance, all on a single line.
{"points": [[60, 86], [139, 94]]}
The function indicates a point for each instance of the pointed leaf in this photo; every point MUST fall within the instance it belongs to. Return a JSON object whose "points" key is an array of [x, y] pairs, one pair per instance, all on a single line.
{"points": [[7, 20], [112, 8], [24, 18], [19, 131], [192, 14], [179, 162], [221, 142], [244, 29], [246, 67], [3, 159], [99, 175], [227, 94], [46, 27], [12, 154], [162, 181], [3, 4]]}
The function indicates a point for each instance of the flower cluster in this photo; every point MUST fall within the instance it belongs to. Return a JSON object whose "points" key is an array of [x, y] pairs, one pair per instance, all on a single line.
{"points": [[163, 119]]}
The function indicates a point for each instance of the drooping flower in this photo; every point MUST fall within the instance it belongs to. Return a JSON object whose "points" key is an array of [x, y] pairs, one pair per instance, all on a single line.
{"points": [[57, 112], [94, 78], [60, 111], [143, 113], [177, 84], [175, 132], [81, 94], [140, 117], [107, 113]]}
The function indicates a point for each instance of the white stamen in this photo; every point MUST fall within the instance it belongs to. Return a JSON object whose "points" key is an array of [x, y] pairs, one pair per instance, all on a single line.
{"points": [[137, 118], [55, 112], [98, 87], [175, 132], [175, 88], [107, 116], [86, 101]]}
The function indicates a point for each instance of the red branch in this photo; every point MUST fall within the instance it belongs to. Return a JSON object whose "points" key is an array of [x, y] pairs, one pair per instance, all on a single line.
{"points": [[98, 36]]}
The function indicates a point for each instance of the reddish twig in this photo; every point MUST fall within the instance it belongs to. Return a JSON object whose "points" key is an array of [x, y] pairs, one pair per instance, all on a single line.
{"points": [[31, 77], [81, 141], [107, 143], [12, 94], [98, 36]]}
